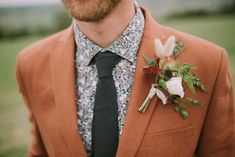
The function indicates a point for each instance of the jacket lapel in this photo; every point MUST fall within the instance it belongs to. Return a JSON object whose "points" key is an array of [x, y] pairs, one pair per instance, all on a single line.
{"points": [[63, 71], [136, 123]]}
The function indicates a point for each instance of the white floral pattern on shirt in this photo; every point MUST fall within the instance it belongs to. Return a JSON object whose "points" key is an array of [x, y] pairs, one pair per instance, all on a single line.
{"points": [[126, 46]]}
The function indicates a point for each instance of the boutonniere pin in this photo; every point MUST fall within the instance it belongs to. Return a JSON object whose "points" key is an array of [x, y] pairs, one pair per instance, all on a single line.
{"points": [[169, 76]]}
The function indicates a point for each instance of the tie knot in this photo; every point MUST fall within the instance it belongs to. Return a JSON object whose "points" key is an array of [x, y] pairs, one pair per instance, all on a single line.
{"points": [[105, 62]]}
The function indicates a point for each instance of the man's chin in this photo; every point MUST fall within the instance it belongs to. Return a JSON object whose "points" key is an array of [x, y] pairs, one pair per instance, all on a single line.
{"points": [[90, 11], [90, 18]]}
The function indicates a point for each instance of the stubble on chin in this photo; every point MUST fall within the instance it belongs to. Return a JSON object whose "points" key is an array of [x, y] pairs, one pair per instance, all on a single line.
{"points": [[90, 10]]}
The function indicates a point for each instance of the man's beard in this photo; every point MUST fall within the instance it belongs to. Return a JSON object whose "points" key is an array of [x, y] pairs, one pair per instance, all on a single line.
{"points": [[90, 10]]}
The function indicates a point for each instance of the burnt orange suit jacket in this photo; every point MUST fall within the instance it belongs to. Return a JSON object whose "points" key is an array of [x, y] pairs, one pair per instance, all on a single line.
{"points": [[46, 78]]}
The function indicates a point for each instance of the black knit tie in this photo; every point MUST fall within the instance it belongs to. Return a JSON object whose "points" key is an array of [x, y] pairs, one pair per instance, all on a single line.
{"points": [[105, 130]]}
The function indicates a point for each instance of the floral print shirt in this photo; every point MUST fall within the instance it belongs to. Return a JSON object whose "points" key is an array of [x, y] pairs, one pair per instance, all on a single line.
{"points": [[126, 46]]}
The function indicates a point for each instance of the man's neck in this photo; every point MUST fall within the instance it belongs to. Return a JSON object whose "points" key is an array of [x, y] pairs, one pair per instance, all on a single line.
{"points": [[106, 31]]}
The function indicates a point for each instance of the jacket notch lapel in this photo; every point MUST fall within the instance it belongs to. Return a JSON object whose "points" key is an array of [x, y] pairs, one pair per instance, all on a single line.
{"points": [[63, 71], [136, 123]]}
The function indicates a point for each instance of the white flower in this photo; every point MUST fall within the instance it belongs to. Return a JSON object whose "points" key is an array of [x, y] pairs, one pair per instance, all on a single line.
{"points": [[166, 50], [161, 96], [174, 86]]}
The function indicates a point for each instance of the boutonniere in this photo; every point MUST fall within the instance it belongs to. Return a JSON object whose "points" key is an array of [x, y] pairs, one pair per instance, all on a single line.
{"points": [[169, 75]]}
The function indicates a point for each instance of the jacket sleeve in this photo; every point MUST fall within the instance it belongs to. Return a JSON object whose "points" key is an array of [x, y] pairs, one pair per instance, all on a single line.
{"points": [[218, 134], [37, 148]]}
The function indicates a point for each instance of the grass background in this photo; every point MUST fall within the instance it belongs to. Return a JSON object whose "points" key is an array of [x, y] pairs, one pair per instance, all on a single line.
{"points": [[14, 126]]}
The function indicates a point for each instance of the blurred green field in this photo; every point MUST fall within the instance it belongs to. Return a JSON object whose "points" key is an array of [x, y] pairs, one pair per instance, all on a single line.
{"points": [[14, 127], [217, 29]]}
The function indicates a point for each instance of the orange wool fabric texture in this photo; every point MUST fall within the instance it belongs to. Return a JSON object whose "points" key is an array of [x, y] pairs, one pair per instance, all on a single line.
{"points": [[46, 79]]}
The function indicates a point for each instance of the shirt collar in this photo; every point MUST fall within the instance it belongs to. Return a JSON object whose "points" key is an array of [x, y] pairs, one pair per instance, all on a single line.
{"points": [[126, 45]]}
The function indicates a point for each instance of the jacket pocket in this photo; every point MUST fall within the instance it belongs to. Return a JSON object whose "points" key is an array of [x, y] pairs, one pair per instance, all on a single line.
{"points": [[152, 140]]}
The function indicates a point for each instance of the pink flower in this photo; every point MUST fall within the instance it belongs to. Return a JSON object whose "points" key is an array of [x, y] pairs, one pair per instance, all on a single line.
{"points": [[165, 51], [174, 86]]}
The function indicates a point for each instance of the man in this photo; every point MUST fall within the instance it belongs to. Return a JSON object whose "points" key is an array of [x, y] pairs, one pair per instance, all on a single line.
{"points": [[84, 85]]}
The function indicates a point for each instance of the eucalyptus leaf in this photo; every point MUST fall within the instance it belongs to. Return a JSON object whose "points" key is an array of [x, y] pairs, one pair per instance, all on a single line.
{"points": [[198, 103], [162, 83], [177, 109], [177, 52], [194, 102], [197, 82], [186, 68], [161, 76], [188, 80], [177, 65], [184, 113], [189, 100], [179, 48], [182, 107], [172, 69], [203, 88], [149, 61]]}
